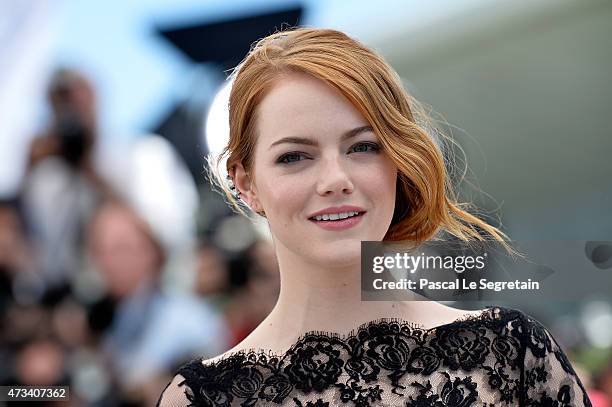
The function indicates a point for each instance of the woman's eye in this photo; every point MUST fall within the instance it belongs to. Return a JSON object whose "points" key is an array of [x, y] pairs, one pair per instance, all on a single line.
{"points": [[363, 147], [294, 157], [289, 158]]}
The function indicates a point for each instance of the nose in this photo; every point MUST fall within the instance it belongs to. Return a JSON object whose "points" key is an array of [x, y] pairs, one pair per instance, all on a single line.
{"points": [[334, 177]]}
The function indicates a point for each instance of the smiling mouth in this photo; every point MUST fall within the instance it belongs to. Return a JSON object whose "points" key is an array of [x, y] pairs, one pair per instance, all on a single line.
{"points": [[359, 214]]}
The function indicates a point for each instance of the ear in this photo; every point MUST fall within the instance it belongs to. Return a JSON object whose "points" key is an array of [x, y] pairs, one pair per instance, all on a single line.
{"points": [[246, 187]]}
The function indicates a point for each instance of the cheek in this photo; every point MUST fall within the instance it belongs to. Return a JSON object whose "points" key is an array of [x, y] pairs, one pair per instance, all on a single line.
{"points": [[391, 172], [382, 179], [284, 196], [383, 185]]}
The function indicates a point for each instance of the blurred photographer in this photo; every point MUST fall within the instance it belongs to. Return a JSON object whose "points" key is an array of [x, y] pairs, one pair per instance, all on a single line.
{"points": [[63, 184], [72, 132]]}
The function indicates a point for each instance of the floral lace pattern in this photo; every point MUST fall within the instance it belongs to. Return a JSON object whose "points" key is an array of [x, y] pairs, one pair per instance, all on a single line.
{"points": [[501, 357]]}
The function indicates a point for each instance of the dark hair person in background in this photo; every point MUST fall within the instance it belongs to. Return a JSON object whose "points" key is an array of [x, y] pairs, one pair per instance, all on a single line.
{"points": [[63, 183], [72, 131], [320, 125]]}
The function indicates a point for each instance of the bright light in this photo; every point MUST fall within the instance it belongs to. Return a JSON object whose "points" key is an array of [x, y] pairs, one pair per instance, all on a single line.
{"points": [[217, 122], [597, 319]]}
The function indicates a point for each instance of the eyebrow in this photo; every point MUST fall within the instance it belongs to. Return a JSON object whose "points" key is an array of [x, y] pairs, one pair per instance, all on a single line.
{"points": [[310, 142]]}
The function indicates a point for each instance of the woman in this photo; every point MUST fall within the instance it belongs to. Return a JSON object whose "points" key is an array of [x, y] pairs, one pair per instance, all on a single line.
{"points": [[319, 124]]}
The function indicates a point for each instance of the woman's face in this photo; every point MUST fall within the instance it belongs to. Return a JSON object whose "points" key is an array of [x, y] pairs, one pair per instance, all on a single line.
{"points": [[315, 151]]}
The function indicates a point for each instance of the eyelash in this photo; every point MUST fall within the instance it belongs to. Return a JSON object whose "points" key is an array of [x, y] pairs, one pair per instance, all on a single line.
{"points": [[281, 159]]}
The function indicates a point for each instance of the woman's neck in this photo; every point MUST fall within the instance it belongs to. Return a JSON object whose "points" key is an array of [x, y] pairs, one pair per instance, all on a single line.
{"points": [[318, 298]]}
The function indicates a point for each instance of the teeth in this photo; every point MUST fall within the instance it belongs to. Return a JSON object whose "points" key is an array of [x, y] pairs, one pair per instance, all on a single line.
{"points": [[336, 216]]}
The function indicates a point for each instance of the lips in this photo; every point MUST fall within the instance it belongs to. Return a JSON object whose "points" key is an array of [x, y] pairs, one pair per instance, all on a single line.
{"points": [[336, 220], [337, 209], [340, 224]]}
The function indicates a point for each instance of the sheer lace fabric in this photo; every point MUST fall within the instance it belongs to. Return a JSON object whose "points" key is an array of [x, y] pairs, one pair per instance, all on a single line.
{"points": [[500, 357]]}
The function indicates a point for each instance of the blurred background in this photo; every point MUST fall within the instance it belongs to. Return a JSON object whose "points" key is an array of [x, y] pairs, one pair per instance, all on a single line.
{"points": [[118, 262]]}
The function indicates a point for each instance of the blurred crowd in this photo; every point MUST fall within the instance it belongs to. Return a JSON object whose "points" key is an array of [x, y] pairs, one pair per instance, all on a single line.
{"points": [[107, 284], [93, 289]]}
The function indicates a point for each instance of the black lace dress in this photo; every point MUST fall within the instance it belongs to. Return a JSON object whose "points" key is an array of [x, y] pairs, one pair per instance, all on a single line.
{"points": [[499, 357]]}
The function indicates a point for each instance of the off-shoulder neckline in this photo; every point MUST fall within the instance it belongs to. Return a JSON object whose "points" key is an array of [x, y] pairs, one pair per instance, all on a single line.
{"points": [[489, 313]]}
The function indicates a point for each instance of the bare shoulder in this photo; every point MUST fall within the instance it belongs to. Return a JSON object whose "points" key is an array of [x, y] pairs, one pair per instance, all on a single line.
{"points": [[452, 314], [241, 347], [217, 358]]}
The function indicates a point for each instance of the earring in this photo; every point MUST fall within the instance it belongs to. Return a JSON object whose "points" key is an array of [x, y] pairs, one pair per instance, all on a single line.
{"points": [[230, 184]]}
